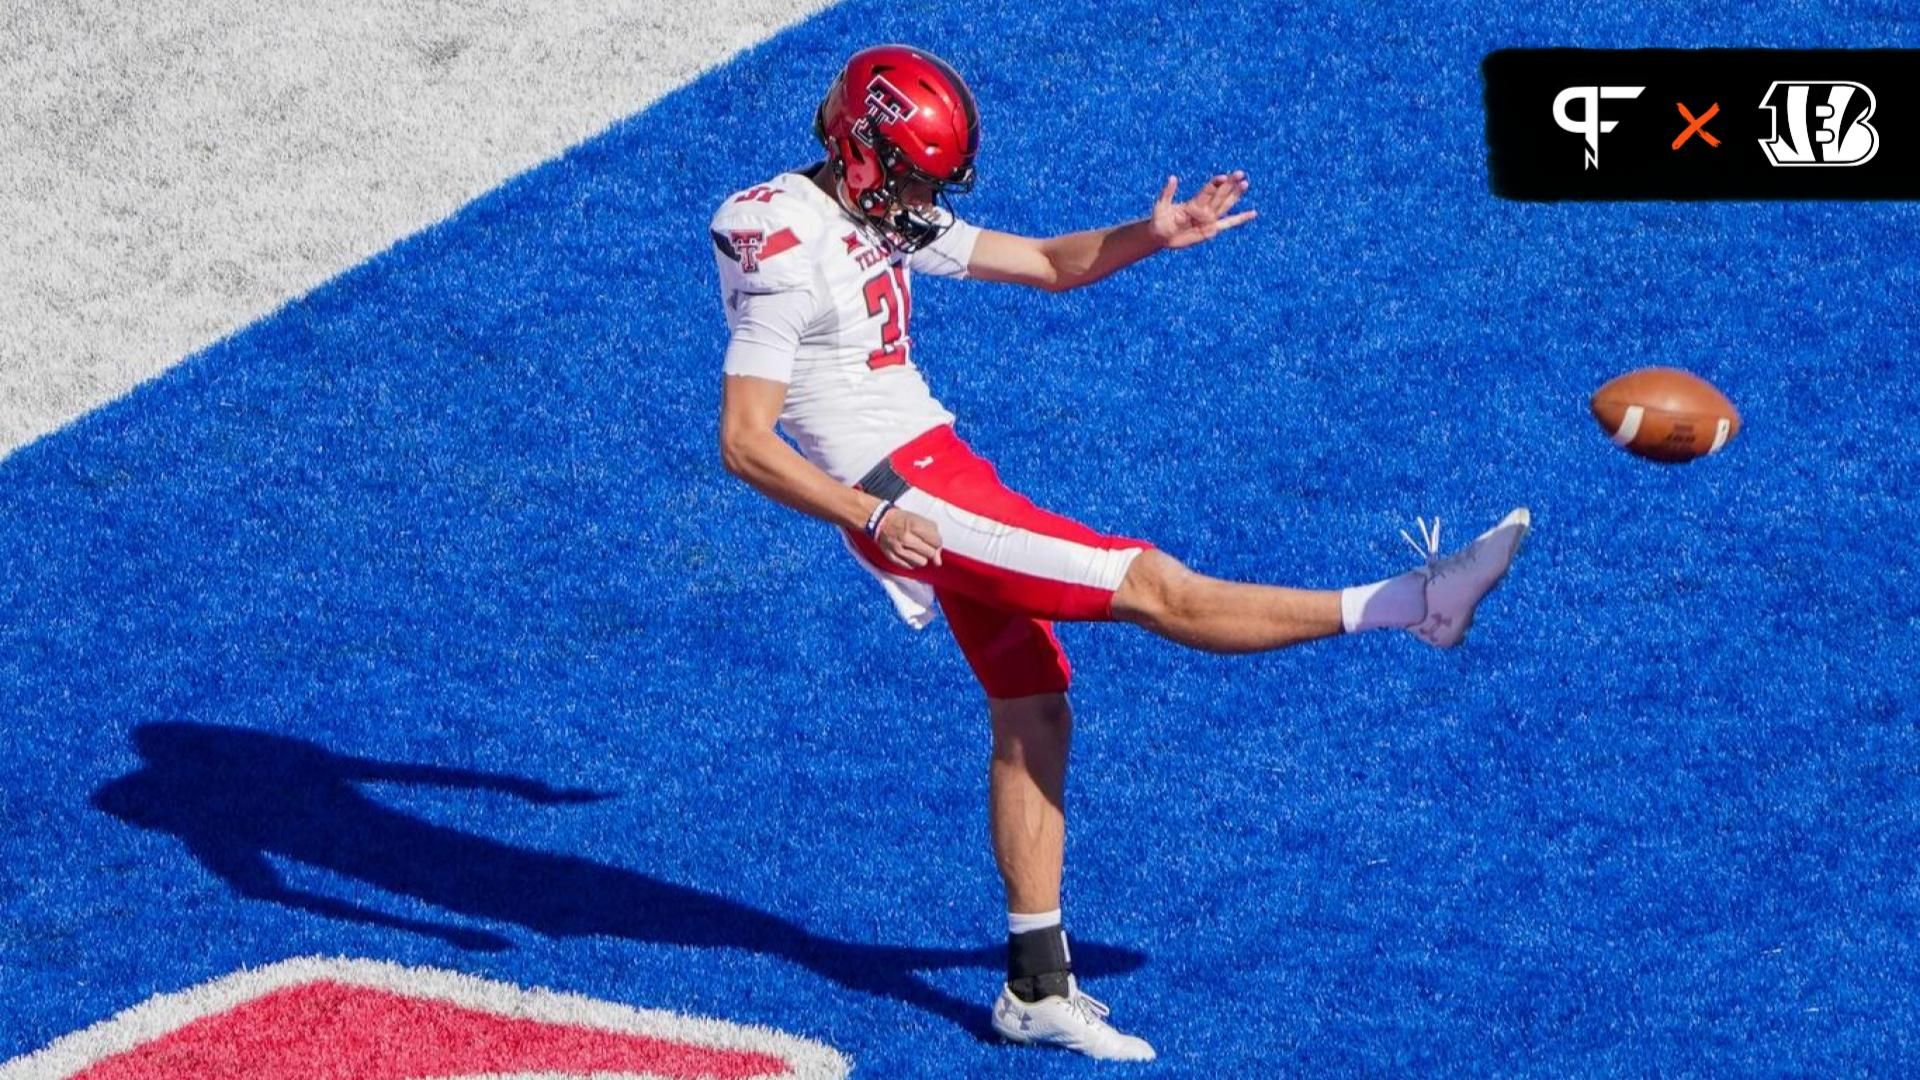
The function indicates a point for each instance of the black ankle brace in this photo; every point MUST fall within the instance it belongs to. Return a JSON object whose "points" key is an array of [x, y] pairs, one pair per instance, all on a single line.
{"points": [[1038, 963]]}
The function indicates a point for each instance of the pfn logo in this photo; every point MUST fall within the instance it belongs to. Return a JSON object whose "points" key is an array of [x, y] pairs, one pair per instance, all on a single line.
{"points": [[1590, 125], [1826, 124]]}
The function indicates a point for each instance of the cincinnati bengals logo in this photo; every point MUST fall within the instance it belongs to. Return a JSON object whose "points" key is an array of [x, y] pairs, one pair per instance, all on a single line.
{"points": [[1825, 123], [885, 105]]}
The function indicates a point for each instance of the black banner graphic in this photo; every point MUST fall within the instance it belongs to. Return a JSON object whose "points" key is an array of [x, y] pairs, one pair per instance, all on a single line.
{"points": [[1704, 124]]}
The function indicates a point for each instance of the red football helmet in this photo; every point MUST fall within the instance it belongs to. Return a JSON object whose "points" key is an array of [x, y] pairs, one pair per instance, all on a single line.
{"points": [[898, 124]]}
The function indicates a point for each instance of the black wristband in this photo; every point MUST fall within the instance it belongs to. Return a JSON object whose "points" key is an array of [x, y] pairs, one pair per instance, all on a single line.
{"points": [[874, 519]]}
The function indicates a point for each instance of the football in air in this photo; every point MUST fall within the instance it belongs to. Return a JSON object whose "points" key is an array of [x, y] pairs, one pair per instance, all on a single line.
{"points": [[1665, 414]]}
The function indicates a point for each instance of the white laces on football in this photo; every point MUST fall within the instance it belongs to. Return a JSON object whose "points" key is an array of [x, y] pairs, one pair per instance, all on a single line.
{"points": [[1430, 549]]}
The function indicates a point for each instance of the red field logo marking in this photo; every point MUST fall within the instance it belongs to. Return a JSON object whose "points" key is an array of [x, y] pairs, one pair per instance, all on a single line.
{"points": [[363, 1020]]}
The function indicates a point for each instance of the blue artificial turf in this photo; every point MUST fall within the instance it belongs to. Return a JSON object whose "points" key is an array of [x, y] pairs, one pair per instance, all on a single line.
{"points": [[418, 621]]}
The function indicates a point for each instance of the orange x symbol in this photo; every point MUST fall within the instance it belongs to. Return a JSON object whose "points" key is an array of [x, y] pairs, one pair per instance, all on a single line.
{"points": [[1699, 125]]}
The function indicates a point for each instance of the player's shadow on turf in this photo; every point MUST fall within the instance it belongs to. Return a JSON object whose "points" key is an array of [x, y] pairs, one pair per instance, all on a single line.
{"points": [[236, 796]]}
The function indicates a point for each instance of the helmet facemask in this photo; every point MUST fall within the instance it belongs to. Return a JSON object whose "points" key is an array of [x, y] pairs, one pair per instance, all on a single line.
{"points": [[910, 223]]}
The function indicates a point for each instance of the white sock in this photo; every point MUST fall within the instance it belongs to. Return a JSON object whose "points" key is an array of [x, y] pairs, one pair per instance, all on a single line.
{"points": [[1039, 920], [1397, 602]]}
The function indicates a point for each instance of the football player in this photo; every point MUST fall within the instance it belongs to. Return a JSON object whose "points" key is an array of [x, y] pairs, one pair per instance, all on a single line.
{"points": [[816, 275]]}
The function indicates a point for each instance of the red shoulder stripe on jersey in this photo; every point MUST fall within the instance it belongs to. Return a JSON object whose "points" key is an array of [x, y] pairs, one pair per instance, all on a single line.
{"points": [[777, 243]]}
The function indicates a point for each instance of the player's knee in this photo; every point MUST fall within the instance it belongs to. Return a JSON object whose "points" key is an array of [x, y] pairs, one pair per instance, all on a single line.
{"points": [[1157, 588], [1019, 722]]}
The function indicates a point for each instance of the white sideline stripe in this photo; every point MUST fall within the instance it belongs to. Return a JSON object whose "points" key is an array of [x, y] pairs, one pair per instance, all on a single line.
{"points": [[1720, 432], [1629, 425], [176, 171], [158, 1016], [1020, 550]]}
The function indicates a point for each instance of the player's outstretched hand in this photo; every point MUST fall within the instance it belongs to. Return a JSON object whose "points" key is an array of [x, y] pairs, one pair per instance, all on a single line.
{"points": [[908, 539], [1203, 217]]}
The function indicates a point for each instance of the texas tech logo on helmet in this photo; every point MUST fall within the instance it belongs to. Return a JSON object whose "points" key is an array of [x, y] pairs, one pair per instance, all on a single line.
{"points": [[1820, 123], [885, 105]]}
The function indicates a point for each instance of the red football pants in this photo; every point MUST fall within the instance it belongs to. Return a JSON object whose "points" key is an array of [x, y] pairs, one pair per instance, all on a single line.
{"points": [[1008, 569]]}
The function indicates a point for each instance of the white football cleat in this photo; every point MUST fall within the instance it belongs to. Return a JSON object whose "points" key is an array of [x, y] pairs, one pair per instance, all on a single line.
{"points": [[1075, 1022], [1457, 583]]}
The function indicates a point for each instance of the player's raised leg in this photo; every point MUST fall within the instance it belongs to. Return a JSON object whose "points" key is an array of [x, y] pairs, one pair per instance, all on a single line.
{"points": [[1001, 551], [1436, 601], [1162, 595]]}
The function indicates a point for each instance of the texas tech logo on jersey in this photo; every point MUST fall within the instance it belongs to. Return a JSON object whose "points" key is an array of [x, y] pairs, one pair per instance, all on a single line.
{"points": [[886, 105], [751, 247], [746, 248], [1820, 123]]}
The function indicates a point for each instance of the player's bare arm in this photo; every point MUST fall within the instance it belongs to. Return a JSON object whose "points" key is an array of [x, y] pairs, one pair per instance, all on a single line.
{"points": [[1059, 263], [752, 451]]}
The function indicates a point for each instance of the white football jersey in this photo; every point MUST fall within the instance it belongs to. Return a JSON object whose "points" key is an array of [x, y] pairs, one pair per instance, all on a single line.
{"points": [[853, 391]]}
